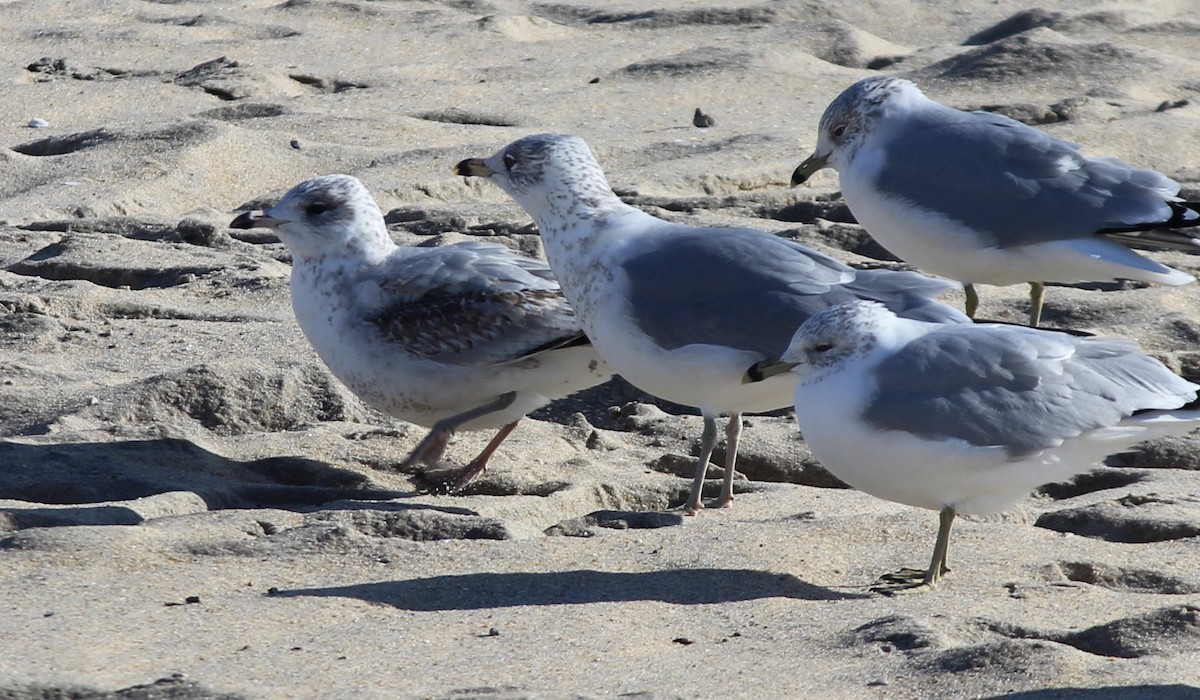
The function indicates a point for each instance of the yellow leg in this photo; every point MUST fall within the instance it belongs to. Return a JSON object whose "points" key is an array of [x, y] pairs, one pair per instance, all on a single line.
{"points": [[972, 304], [910, 580], [1037, 294]]}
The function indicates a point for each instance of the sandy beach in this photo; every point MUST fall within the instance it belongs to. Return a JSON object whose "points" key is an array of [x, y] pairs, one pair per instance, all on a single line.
{"points": [[191, 506]]}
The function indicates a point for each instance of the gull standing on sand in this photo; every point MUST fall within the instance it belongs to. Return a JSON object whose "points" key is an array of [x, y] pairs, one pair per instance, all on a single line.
{"points": [[968, 418], [681, 311], [982, 198], [461, 337]]}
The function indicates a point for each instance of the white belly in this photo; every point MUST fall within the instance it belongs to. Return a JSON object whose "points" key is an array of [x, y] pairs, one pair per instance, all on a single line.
{"points": [[707, 377]]}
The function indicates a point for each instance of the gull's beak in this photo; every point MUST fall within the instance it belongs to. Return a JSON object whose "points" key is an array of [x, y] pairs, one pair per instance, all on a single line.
{"points": [[255, 219], [811, 165], [473, 167], [766, 369]]}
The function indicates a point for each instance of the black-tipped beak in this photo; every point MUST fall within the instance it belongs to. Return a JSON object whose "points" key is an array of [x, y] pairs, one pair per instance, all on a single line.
{"points": [[254, 219], [473, 167], [765, 369], [810, 165]]}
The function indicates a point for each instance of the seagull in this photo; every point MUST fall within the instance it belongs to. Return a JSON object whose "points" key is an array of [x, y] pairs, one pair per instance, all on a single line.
{"points": [[982, 198], [461, 337], [968, 418], [681, 311]]}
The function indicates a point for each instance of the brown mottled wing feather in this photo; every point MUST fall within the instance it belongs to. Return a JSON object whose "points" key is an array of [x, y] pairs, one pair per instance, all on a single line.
{"points": [[471, 304]]}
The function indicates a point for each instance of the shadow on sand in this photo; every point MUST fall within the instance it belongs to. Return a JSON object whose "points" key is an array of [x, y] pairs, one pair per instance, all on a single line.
{"points": [[494, 590]]}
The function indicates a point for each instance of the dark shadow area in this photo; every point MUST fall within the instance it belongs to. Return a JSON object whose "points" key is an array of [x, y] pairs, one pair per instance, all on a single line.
{"points": [[61, 260], [175, 687], [1133, 519], [1131, 692], [366, 503], [810, 211], [68, 143], [615, 520], [594, 403], [21, 518], [488, 590], [77, 473], [462, 116], [1123, 579], [1090, 482]]}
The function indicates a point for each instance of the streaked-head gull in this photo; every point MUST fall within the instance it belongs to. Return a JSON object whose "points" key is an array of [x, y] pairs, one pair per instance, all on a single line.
{"points": [[460, 337], [681, 311], [969, 418], [982, 198]]}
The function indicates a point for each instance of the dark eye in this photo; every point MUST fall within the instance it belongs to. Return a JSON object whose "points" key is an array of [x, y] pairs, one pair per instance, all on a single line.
{"points": [[839, 130], [823, 347], [316, 208], [509, 161]]}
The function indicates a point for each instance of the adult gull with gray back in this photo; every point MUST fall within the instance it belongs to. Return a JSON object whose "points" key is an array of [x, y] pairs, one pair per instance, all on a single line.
{"points": [[460, 337], [681, 311], [969, 418], [982, 198]]}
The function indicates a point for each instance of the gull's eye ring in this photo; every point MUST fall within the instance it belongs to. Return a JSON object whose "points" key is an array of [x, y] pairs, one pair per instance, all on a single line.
{"points": [[509, 161], [823, 347], [839, 130], [316, 208]]}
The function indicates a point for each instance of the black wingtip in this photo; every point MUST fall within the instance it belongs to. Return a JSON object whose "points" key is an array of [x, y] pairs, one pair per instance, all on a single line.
{"points": [[1183, 215]]}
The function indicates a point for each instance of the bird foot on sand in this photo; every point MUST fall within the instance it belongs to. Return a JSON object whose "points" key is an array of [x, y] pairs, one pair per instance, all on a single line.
{"points": [[448, 479], [905, 581]]}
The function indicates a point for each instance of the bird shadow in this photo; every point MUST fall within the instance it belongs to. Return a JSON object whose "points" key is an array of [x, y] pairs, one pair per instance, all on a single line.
{"points": [[499, 590], [1173, 691]]}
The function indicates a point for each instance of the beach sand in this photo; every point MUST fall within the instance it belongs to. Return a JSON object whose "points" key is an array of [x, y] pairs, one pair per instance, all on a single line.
{"points": [[192, 507]]}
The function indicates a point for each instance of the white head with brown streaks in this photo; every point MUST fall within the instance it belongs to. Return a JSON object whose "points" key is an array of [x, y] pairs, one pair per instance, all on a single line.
{"points": [[554, 177], [331, 215], [848, 120]]}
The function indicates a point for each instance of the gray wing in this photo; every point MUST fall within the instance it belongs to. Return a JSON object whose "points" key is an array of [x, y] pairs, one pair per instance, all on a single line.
{"points": [[470, 304], [1017, 185], [1017, 388], [907, 294], [749, 289]]}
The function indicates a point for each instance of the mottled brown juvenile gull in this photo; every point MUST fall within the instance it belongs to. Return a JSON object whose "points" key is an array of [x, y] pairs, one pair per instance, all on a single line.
{"points": [[681, 311], [969, 418], [461, 337], [982, 198]]}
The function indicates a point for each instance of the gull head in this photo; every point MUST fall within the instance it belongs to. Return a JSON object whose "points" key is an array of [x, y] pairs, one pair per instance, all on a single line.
{"points": [[549, 175], [848, 120], [827, 340], [331, 214]]}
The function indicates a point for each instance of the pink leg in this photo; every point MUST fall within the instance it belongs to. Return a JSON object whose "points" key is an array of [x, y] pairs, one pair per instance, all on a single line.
{"points": [[432, 448], [464, 475], [708, 440], [733, 433]]}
